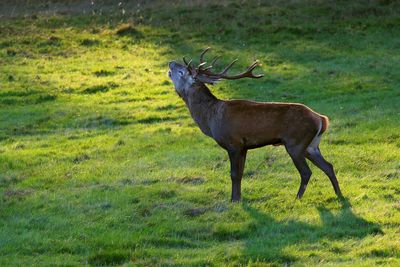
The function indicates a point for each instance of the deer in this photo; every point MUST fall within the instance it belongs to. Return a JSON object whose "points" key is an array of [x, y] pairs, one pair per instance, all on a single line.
{"points": [[240, 125]]}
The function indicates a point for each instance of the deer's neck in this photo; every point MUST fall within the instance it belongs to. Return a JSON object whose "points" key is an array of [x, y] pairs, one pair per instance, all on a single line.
{"points": [[203, 107]]}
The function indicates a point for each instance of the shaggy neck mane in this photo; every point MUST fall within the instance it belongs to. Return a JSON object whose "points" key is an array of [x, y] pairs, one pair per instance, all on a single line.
{"points": [[202, 105], [201, 93]]}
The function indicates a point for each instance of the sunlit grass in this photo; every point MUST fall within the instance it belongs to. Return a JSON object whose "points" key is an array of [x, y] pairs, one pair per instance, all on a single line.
{"points": [[101, 164]]}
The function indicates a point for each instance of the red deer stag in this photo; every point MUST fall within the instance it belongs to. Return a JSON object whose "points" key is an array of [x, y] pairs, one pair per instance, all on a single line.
{"points": [[239, 125]]}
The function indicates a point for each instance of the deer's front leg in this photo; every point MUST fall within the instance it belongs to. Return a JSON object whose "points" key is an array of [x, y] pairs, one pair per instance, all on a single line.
{"points": [[237, 158]]}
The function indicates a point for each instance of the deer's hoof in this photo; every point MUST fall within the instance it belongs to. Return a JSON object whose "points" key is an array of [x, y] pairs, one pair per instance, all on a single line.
{"points": [[235, 200]]}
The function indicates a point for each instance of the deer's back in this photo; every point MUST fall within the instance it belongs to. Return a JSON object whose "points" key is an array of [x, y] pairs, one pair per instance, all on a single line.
{"points": [[256, 124]]}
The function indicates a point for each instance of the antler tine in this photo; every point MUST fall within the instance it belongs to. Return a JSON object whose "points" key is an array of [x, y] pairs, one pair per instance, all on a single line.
{"points": [[203, 53], [211, 64], [222, 73], [248, 73], [251, 68], [254, 65], [187, 63], [201, 65], [214, 60]]}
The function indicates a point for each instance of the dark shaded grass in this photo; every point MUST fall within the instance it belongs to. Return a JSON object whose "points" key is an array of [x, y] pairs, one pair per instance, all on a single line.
{"points": [[90, 42], [109, 258], [273, 236], [102, 88]]}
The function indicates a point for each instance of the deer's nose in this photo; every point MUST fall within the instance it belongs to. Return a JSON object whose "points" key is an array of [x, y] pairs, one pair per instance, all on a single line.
{"points": [[171, 64]]}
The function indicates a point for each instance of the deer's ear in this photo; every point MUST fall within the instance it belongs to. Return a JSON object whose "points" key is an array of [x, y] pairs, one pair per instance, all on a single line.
{"points": [[192, 72]]}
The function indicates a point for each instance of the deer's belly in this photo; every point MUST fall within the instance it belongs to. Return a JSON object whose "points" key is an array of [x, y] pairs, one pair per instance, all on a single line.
{"points": [[251, 143], [232, 139]]}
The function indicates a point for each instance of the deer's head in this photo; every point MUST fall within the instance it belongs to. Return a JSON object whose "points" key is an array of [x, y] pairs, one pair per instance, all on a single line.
{"points": [[185, 76], [181, 77]]}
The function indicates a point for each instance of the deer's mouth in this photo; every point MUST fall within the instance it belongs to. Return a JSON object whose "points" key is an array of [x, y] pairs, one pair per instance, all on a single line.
{"points": [[169, 74]]}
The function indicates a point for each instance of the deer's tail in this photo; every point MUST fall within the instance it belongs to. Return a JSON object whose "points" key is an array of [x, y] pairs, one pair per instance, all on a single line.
{"points": [[325, 124]]}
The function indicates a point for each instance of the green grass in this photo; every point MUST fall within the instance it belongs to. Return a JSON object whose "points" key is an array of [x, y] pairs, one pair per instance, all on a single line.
{"points": [[101, 164]]}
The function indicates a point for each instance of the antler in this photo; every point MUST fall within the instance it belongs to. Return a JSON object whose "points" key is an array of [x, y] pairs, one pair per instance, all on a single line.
{"points": [[204, 74], [248, 73], [187, 63], [202, 55]]}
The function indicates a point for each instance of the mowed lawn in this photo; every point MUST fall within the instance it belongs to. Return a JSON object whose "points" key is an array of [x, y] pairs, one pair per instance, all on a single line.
{"points": [[101, 163]]}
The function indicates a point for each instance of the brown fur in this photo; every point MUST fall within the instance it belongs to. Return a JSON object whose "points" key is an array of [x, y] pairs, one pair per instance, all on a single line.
{"points": [[249, 124]]}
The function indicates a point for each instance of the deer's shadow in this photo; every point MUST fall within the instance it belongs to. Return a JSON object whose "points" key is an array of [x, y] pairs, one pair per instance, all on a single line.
{"points": [[274, 238]]}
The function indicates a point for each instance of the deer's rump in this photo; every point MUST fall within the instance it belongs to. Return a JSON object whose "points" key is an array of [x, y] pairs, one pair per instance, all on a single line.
{"points": [[255, 124]]}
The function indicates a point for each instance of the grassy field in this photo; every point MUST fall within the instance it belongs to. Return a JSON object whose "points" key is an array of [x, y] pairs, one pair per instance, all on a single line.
{"points": [[101, 163]]}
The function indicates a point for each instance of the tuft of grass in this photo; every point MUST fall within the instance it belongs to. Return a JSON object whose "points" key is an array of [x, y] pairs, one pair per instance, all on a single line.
{"points": [[109, 258], [103, 73], [90, 42], [127, 30], [101, 88]]}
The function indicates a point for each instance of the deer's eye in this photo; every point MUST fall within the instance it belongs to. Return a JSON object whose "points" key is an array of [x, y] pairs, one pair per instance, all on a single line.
{"points": [[180, 73]]}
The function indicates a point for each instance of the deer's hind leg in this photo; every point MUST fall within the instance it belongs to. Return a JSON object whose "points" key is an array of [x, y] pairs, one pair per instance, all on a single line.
{"points": [[314, 155], [298, 155]]}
